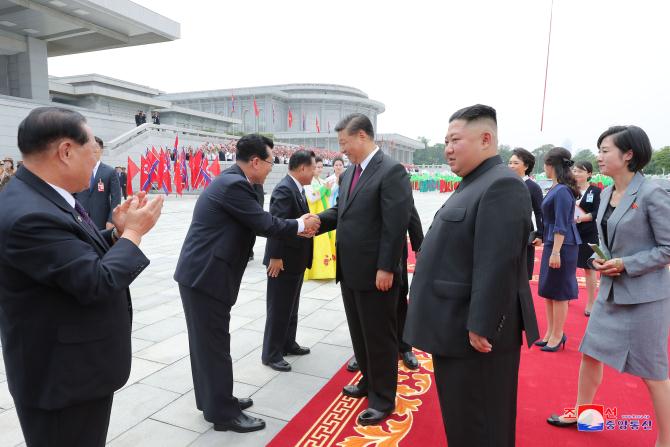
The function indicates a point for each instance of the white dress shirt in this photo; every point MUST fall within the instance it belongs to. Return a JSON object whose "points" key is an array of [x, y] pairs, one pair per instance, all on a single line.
{"points": [[69, 198]]}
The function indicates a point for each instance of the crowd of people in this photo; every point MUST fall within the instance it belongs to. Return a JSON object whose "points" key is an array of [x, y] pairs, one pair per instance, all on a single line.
{"points": [[67, 262]]}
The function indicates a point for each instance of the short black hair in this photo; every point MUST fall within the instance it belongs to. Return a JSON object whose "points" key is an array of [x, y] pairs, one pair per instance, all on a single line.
{"points": [[318, 160], [253, 145], [99, 141], [336, 159], [526, 157], [585, 166], [354, 123], [630, 138], [474, 113], [300, 158], [45, 125]]}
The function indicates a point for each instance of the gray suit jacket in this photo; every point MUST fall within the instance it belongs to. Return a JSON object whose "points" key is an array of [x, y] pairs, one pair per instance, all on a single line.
{"points": [[471, 272], [639, 233]]}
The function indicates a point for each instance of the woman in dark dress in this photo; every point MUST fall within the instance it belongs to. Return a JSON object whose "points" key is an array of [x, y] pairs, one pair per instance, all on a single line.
{"points": [[522, 162], [558, 283], [585, 219]]}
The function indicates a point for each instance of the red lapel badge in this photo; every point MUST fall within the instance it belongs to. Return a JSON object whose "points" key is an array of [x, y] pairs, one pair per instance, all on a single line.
{"points": [[634, 206]]}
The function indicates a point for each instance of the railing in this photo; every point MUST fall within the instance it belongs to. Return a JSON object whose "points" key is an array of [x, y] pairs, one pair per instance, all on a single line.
{"points": [[148, 127]]}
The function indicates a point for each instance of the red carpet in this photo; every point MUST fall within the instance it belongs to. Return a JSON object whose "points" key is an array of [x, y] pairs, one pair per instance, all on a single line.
{"points": [[547, 384]]}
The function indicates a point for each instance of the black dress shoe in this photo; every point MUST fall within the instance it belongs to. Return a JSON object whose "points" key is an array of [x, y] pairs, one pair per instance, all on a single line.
{"points": [[281, 365], [245, 402], [297, 350], [352, 366], [410, 361], [372, 416], [354, 391], [557, 422], [241, 424]]}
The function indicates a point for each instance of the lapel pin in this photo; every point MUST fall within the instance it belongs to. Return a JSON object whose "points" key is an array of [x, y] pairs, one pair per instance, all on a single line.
{"points": [[634, 206]]}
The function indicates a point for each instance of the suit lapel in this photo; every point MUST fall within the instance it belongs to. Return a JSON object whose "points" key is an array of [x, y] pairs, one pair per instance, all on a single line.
{"points": [[297, 194], [604, 201], [47, 191], [366, 175], [624, 205]]}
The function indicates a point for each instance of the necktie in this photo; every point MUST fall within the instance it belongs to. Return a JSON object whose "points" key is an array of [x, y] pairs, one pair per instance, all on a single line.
{"points": [[357, 175], [304, 197], [84, 215]]}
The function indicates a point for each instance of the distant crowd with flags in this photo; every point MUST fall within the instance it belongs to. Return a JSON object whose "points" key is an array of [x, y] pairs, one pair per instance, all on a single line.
{"points": [[180, 169]]}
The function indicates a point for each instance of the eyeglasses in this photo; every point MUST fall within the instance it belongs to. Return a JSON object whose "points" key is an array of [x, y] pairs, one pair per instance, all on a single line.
{"points": [[271, 163]]}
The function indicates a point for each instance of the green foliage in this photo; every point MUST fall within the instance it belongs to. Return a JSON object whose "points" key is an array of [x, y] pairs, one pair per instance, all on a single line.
{"points": [[505, 151], [539, 153], [587, 155], [431, 155], [660, 162]]}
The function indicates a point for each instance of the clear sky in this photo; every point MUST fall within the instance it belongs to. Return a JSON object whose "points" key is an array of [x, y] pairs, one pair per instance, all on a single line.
{"points": [[609, 62]]}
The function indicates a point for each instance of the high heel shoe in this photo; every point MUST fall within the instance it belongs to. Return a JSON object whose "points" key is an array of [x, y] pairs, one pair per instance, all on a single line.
{"points": [[540, 343], [556, 348], [557, 422]]}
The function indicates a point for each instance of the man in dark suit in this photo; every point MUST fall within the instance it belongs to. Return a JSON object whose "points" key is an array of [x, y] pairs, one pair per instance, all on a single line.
{"points": [[286, 261], [260, 196], [103, 193], [470, 298], [123, 180], [65, 309], [415, 232], [371, 218], [226, 219]]}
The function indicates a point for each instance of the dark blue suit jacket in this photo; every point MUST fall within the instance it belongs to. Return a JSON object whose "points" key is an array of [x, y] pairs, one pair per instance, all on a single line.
{"points": [[296, 252], [65, 315], [226, 219], [100, 204]]}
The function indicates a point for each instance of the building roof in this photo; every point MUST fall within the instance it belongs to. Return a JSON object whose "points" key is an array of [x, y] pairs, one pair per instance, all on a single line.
{"points": [[79, 26]]}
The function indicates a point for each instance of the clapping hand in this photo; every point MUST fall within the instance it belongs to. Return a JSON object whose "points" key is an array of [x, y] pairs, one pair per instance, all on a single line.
{"points": [[120, 211], [140, 217], [312, 224]]}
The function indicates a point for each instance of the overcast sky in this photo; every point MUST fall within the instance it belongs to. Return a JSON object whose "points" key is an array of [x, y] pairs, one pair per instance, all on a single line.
{"points": [[609, 61]]}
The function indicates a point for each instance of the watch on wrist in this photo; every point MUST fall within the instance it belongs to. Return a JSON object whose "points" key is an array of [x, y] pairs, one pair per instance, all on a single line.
{"points": [[115, 234]]}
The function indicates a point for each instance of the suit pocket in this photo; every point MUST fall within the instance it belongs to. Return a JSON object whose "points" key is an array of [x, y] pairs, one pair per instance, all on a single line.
{"points": [[84, 333], [453, 214], [452, 290]]}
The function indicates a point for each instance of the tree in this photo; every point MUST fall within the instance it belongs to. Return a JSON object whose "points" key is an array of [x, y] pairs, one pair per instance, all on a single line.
{"points": [[505, 152], [587, 155], [539, 154], [431, 155], [660, 162]]}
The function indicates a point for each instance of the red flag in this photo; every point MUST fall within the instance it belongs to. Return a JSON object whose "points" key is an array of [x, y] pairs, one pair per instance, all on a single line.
{"points": [[196, 160], [178, 180], [256, 111], [144, 173], [290, 118], [215, 168], [132, 172], [318, 128]]}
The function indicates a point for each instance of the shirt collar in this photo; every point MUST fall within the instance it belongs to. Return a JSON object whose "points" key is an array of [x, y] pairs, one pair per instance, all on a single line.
{"points": [[364, 163], [525, 177], [479, 170], [297, 183], [95, 169], [69, 198]]}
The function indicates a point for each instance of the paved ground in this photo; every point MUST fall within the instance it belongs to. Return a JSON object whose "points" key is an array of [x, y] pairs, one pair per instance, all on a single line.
{"points": [[157, 406]]}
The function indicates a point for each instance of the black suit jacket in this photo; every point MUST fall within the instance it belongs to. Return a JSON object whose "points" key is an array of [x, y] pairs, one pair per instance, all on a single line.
{"points": [[226, 219], [65, 315], [471, 270], [415, 229], [371, 222], [536, 201], [123, 181], [100, 204], [287, 202], [589, 202]]}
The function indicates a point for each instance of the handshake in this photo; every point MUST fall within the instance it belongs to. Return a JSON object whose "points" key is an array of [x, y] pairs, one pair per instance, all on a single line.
{"points": [[312, 224]]}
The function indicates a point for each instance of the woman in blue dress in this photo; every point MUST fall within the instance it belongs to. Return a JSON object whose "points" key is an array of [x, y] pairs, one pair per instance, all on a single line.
{"points": [[558, 283]]}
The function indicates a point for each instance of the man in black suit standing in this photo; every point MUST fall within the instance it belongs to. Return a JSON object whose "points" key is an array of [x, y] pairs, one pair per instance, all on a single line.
{"points": [[123, 180], [103, 193], [226, 219], [371, 218], [470, 298], [286, 261], [65, 309], [415, 232]]}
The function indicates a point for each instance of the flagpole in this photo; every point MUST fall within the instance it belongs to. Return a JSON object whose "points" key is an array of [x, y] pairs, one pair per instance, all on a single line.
{"points": [[546, 69]]}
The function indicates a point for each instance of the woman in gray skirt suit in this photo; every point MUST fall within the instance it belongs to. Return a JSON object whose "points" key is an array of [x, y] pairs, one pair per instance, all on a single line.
{"points": [[628, 328]]}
